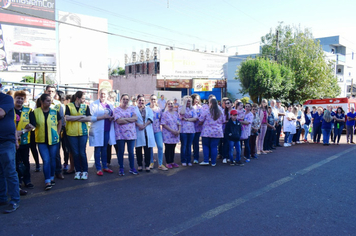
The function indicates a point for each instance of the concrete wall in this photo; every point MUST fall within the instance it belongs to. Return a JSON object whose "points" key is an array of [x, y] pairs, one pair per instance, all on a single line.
{"points": [[132, 84]]}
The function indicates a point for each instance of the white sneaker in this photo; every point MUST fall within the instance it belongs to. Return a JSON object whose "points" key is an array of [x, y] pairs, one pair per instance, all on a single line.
{"points": [[196, 162], [286, 145], [203, 163], [224, 161], [77, 175], [84, 175]]}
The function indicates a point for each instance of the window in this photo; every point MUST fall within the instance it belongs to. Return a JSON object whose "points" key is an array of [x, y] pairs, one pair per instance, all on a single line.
{"points": [[138, 68], [130, 69]]}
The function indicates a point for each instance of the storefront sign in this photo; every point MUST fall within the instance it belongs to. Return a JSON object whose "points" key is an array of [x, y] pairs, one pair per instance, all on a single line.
{"points": [[174, 83]]}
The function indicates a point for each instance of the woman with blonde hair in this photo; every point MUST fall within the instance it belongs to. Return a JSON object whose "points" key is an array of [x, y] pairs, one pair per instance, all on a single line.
{"points": [[188, 116], [198, 109], [326, 127], [157, 114]]}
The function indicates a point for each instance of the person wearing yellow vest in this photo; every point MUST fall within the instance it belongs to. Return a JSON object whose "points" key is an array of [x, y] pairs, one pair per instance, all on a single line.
{"points": [[77, 115], [56, 105], [48, 128], [25, 122]]}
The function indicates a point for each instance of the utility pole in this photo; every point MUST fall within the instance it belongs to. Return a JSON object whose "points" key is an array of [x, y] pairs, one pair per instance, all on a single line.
{"points": [[277, 47]]}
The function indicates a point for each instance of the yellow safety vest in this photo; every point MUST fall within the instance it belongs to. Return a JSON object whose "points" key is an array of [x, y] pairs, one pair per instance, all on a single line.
{"points": [[24, 120], [77, 128], [52, 123], [56, 105]]}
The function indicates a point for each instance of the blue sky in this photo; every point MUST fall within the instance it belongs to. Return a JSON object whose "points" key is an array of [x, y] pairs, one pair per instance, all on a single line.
{"points": [[210, 24]]}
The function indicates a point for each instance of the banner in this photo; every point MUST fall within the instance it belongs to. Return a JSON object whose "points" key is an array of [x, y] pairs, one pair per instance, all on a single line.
{"points": [[174, 83], [83, 53], [28, 36], [105, 83], [201, 85], [189, 64]]}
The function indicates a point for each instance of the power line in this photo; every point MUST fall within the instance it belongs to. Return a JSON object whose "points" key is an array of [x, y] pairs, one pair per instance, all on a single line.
{"points": [[113, 34], [138, 21]]}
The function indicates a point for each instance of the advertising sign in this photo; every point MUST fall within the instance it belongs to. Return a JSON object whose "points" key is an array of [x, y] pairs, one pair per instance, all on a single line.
{"points": [[105, 83], [174, 83], [83, 53], [189, 64], [201, 85], [27, 36]]}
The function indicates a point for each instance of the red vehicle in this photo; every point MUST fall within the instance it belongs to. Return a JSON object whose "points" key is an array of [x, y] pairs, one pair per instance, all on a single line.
{"points": [[345, 103]]}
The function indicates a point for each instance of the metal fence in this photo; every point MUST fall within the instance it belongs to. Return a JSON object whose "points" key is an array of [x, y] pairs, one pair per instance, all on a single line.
{"points": [[37, 89]]}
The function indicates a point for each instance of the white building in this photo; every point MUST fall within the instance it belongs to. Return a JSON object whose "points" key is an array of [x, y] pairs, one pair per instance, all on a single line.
{"points": [[341, 51]]}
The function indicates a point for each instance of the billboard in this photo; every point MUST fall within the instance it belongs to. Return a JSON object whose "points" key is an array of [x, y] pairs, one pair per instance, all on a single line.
{"points": [[179, 64], [83, 53], [27, 36]]}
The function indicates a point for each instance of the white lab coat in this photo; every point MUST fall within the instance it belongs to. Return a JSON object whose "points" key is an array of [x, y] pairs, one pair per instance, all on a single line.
{"points": [[96, 133], [141, 141]]}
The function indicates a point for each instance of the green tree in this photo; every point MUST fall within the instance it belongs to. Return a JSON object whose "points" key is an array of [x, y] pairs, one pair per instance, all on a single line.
{"points": [[245, 100], [117, 71], [39, 79], [262, 78], [121, 71], [314, 76]]}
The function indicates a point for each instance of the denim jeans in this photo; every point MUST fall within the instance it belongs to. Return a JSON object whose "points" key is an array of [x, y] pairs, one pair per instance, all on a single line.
{"points": [[247, 149], [159, 144], [235, 144], [210, 148], [337, 132], [186, 140], [48, 155], [9, 181], [290, 138], [326, 135], [286, 136], [102, 152], [121, 149], [78, 145], [196, 145], [306, 132]]}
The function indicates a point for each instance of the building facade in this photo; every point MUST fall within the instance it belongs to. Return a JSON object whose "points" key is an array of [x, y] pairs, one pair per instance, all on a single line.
{"points": [[341, 52]]}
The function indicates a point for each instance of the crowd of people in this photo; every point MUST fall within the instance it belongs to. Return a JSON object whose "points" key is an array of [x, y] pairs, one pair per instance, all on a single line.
{"points": [[234, 132]]}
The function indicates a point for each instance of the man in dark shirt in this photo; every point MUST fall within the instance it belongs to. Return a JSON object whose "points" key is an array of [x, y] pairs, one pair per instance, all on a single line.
{"points": [[9, 182]]}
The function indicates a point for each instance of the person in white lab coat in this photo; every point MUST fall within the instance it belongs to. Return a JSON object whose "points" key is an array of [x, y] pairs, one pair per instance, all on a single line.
{"points": [[102, 130], [144, 130]]}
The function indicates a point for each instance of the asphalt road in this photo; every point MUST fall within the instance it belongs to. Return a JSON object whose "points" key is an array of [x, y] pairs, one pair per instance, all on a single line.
{"points": [[307, 189]]}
